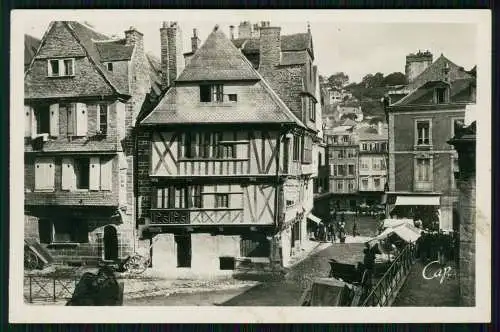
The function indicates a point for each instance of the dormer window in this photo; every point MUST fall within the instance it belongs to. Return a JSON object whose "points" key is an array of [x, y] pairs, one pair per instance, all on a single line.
{"points": [[440, 95], [211, 93], [61, 67], [109, 65]]}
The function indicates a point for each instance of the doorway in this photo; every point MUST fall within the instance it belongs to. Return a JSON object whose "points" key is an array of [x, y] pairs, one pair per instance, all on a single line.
{"points": [[183, 245], [110, 243]]}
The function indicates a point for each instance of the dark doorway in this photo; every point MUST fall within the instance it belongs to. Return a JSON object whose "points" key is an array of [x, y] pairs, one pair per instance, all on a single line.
{"points": [[183, 243], [255, 245], [110, 243]]}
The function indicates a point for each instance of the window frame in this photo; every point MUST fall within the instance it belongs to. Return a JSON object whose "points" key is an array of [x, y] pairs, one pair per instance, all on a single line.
{"points": [[60, 67], [109, 66], [221, 201], [99, 119], [429, 173], [453, 119], [77, 170], [416, 132]]}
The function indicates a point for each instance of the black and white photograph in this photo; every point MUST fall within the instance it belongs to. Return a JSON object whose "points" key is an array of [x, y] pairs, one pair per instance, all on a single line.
{"points": [[250, 165]]}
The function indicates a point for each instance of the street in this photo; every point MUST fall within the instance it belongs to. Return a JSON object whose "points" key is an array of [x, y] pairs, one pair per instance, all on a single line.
{"points": [[286, 292]]}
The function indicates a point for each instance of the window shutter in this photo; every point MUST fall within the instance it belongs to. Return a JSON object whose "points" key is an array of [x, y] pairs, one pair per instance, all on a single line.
{"points": [[54, 120], [50, 171], [71, 118], [39, 176], [45, 231], [81, 119], [106, 174], [68, 174], [95, 173], [27, 120]]}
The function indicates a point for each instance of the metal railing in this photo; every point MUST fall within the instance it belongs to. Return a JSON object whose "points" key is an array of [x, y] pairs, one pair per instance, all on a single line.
{"points": [[48, 288], [388, 286]]}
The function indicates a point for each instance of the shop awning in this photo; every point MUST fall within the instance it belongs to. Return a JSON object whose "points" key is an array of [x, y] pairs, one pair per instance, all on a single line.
{"points": [[312, 217], [417, 200]]}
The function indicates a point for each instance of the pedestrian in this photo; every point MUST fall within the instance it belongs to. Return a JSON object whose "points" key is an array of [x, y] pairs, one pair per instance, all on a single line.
{"points": [[85, 291], [108, 289], [354, 228]]}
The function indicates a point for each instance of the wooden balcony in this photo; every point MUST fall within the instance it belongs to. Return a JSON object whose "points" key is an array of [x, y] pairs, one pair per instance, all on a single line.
{"points": [[196, 216], [71, 198]]}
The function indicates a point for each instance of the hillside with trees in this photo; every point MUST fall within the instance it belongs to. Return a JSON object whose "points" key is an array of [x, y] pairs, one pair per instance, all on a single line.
{"points": [[369, 91]]}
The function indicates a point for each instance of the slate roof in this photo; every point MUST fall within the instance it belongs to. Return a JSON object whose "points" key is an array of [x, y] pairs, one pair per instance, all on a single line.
{"points": [[217, 60], [294, 42], [459, 92], [371, 134], [265, 106], [435, 72], [30, 47], [114, 50]]}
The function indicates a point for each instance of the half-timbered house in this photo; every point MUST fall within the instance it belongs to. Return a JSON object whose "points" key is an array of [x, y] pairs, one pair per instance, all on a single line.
{"points": [[83, 91], [221, 180]]}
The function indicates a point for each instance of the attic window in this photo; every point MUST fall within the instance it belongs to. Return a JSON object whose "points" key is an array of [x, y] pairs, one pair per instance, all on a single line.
{"points": [[110, 66], [211, 93], [440, 95], [61, 67]]}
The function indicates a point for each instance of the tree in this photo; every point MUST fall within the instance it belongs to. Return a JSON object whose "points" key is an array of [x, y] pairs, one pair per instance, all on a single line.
{"points": [[338, 80], [395, 78]]}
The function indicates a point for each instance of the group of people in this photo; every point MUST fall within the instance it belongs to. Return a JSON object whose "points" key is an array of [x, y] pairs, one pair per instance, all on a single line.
{"points": [[437, 246], [334, 229], [99, 289]]}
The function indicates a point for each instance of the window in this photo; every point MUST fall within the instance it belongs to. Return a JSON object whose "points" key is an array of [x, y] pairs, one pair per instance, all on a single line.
{"points": [[82, 173], [333, 170], [103, 119], [365, 148], [440, 95], [376, 164], [376, 183], [382, 165], [296, 148], [423, 172], [42, 118], [345, 138], [290, 202], [350, 170], [455, 170], [110, 66], [351, 185], [351, 153], [341, 170], [76, 115], [194, 197], [364, 183], [423, 132], [211, 93], [233, 97], [307, 150], [61, 67], [312, 109], [457, 125], [335, 138], [190, 145], [221, 200], [179, 201], [63, 231], [342, 153], [340, 185], [320, 161], [364, 164]]}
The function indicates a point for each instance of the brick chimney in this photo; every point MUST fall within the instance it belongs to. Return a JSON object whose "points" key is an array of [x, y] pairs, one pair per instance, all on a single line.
{"points": [[172, 61], [416, 63], [133, 37], [245, 30], [270, 45], [256, 31], [195, 41]]}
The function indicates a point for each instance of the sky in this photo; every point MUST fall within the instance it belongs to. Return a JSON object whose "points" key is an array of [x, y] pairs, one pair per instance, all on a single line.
{"points": [[355, 46]]}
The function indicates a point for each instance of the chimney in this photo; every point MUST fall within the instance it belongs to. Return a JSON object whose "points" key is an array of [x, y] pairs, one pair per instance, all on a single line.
{"points": [[245, 30], [132, 37], [195, 41], [171, 53], [416, 64], [256, 31], [231, 31], [270, 45]]}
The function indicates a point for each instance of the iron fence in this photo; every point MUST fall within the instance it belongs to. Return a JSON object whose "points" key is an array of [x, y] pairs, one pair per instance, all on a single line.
{"points": [[48, 288], [387, 287]]}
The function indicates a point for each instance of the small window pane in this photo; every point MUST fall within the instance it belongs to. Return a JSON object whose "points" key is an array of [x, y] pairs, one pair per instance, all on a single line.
{"points": [[205, 93], [68, 67]]}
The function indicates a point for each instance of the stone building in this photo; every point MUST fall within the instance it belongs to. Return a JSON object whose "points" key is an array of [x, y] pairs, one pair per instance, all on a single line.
{"points": [[421, 162], [464, 142], [83, 92], [226, 164]]}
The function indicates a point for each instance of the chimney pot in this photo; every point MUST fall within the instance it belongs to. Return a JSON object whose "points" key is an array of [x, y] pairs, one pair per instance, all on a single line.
{"points": [[231, 30]]}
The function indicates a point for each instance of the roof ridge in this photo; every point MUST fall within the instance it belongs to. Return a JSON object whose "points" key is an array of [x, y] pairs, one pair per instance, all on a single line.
{"points": [[91, 59]]}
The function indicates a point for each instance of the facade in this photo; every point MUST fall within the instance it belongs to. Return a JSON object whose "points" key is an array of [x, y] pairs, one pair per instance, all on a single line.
{"points": [[343, 149], [83, 91], [421, 162], [373, 157], [226, 162]]}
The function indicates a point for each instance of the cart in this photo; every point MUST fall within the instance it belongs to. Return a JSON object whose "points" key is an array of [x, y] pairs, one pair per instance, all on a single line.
{"points": [[35, 255]]}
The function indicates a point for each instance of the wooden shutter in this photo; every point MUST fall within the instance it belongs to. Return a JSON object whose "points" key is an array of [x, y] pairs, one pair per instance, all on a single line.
{"points": [[94, 173], [28, 110], [106, 174], [54, 120], [68, 174], [45, 231], [81, 119], [39, 175], [50, 171]]}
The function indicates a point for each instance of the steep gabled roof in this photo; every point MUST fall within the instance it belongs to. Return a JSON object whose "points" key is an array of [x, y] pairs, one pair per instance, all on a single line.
{"points": [[30, 47], [435, 72], [86, 37], [217, 60], [114, 50], [264, 107], [459, 92]]}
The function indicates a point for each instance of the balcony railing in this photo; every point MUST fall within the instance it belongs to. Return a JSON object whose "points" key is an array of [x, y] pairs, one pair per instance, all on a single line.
{"points": [[196, 216]]}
